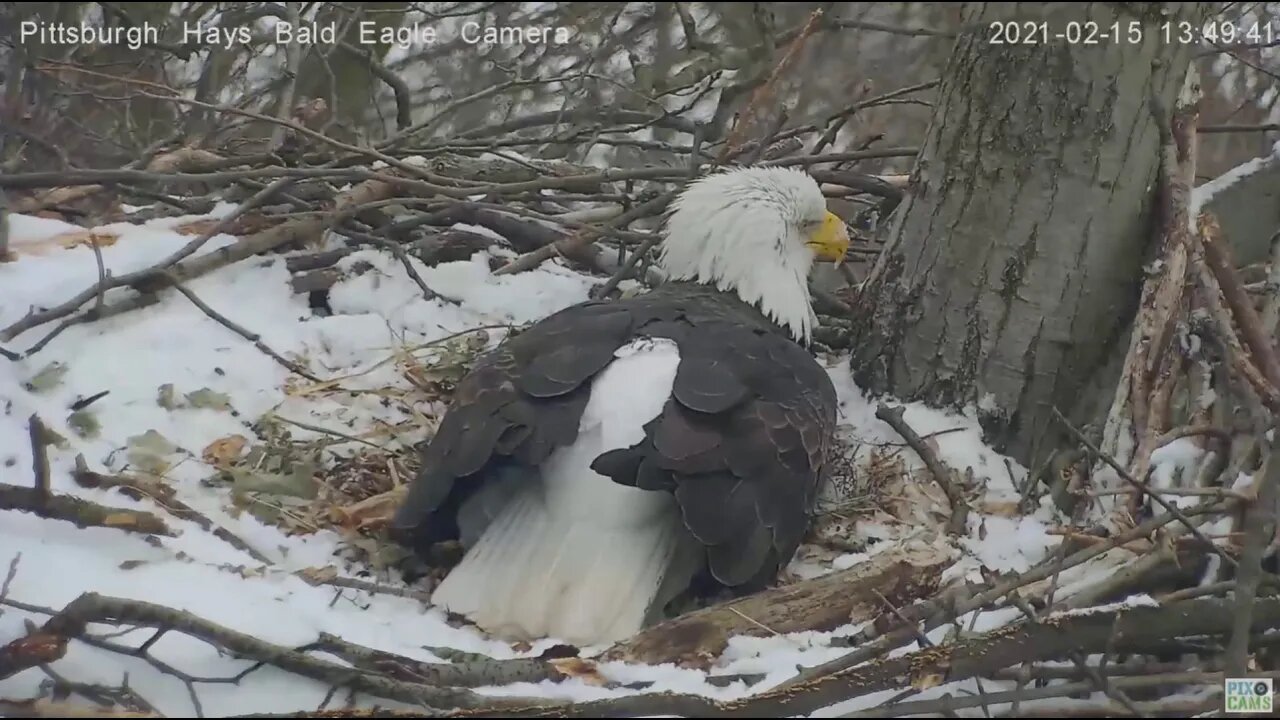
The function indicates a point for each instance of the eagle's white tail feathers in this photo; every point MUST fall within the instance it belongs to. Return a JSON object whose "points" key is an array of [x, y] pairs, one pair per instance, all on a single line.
{"points": [[536, 574], [578, 557]]}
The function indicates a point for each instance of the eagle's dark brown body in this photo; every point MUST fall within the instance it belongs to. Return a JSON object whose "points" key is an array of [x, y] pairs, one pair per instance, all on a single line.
{"points": [[741, 443]]}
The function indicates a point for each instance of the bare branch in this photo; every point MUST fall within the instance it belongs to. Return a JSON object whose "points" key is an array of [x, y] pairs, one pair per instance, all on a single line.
{"points": [[226, 322], [81, 513]]}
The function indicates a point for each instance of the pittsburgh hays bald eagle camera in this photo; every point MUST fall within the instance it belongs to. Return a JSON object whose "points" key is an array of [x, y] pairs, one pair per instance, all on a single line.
{"points": [[619, 453]]}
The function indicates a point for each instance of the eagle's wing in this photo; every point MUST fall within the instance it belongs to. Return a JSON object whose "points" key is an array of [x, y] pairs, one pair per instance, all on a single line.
{"points": [[743, 444], [742, 441], [518, 403]]}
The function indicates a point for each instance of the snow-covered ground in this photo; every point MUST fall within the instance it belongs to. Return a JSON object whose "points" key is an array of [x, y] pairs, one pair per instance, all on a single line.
{"points": [[174, 343]]}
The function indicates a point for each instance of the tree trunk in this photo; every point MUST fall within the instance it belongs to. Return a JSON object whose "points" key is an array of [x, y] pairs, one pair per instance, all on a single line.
{"points": [[1015, 263]]}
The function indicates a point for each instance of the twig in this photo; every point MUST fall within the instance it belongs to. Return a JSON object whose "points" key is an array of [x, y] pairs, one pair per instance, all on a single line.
{"points": [[313, 578], [805, 160], [107, 697], [1271, 308], [1219, 588], [398, 251], [753, 156], [1237, 356], [226, 322], [9, 576], [941, 475], [96, 176], [1262, 127], [1218, 258], [580, 115], [292, 72], [4, 221], [325, 431], [400, 89], [450, 674], [891, 29], [102, 273], [574, 243], [921, 638], [82, 513], [639, 253], [764, 93], [143, 651], [1259, 528], [94, 314], [164, 496], [1155, 496]]}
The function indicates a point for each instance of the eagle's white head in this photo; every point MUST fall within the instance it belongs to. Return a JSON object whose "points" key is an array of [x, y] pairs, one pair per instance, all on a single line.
{"points": [[755, 232]]}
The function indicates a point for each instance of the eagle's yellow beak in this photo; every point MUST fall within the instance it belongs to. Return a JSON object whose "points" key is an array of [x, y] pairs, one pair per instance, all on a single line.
{"points": [[831, 240]]}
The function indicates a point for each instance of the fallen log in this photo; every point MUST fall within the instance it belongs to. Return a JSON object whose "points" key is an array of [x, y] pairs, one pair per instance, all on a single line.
{"points": [[898, 577]]}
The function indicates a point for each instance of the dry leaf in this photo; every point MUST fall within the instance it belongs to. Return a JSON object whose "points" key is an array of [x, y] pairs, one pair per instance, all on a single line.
{"points": [[583, 670], [223, 452], [318, 575], [370, 512]]}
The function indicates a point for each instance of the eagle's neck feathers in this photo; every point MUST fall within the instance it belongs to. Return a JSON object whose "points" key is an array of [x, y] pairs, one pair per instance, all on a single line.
{"points": [[743, 238]]}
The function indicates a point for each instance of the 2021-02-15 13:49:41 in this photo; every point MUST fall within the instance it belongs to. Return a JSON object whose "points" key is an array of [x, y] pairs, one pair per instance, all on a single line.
{"points": [[1034, 32]]}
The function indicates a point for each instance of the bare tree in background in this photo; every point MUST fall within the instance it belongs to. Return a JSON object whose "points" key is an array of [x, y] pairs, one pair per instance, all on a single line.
{"points": [[698, 61]]}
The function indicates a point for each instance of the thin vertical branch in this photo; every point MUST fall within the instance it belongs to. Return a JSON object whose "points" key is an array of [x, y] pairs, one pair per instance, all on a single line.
{"points": [[1259, 527], [39, 457]]}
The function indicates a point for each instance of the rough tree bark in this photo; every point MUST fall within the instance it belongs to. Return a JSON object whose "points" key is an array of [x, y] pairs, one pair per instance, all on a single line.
{"points": [[1015, 262]]}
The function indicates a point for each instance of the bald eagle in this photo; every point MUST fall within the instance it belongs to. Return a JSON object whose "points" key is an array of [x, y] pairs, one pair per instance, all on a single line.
{"points": [[619, 454]]}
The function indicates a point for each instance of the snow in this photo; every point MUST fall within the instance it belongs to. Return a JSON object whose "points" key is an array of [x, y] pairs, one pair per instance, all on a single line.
{"points": [[26, 229], [1174, 465], [377, 312], [1133, 601], [1004, 545], [1205, 192], [957, 438]]}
